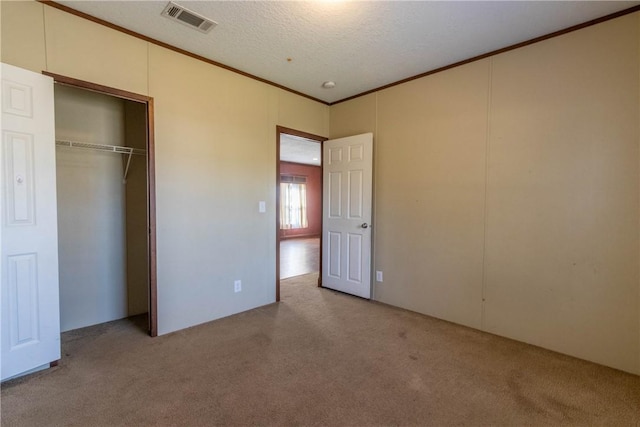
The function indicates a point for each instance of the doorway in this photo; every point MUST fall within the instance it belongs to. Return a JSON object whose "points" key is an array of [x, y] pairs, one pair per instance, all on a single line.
{"points": [[299, 204], [106, 204]]}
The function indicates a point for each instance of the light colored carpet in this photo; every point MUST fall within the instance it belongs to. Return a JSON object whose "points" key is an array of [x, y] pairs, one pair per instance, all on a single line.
{"points": [[316, 358]]}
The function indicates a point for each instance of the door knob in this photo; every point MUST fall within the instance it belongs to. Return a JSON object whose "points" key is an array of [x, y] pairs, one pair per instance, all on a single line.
{"points": [[364, 225]]}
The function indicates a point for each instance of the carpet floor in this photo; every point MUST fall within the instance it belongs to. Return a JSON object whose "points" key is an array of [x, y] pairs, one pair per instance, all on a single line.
{"points": [[316, 358]]}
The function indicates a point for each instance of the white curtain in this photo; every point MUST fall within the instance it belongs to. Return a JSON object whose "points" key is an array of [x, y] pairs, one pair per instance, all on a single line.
{"points": [[293, 206]]}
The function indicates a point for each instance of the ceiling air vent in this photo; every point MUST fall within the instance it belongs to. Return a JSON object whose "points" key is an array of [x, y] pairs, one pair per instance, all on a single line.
{"points": [[187, 17]]}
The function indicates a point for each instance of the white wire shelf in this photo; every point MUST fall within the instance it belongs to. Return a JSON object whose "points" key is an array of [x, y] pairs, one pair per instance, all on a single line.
{"points": [[118, 149], [101, 147]]}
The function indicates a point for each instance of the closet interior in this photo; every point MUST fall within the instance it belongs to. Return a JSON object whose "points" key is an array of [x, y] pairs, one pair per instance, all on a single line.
{"points": [[102, 190]]}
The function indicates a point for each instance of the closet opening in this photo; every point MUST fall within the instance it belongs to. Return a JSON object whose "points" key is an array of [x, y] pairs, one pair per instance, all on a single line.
{"points": [[106, 205], [298, 204]]}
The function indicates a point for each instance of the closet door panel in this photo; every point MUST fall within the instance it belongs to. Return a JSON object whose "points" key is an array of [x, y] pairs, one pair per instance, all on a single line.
{"points": [[30, 297], [18, 154]]}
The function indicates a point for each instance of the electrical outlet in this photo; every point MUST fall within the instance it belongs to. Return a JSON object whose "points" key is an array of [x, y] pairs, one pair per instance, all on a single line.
{"points": [[237, 286], [378, 276]]}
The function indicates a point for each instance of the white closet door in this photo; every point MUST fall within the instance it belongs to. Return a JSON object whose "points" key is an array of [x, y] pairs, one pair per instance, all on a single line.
{"points": [[29, 298]]}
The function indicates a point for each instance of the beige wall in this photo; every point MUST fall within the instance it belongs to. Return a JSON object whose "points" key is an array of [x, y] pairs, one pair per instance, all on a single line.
{"points": [[23, 22], [81, 49], [354, 117], [562, 224], [215, 155], [431, 178], [507, 193]]}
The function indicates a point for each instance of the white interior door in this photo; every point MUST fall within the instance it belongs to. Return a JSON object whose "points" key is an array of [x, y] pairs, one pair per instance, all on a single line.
{"points": [[346, 217], [29, 298]]}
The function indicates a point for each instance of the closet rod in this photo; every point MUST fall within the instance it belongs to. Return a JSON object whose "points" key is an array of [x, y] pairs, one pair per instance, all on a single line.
{"points": [[128, 151]]}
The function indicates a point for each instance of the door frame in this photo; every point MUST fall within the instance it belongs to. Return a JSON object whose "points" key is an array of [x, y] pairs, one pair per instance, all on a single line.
{"points": [[151, 181], [319, 139]]}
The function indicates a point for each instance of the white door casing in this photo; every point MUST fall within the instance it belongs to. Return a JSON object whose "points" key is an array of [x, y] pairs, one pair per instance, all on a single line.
{"points": [[29, 299], [346, 217]]}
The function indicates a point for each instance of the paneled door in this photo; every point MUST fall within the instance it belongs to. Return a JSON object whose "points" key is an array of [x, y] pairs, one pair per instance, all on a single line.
{"points": [[346, 218], [29, 269]]}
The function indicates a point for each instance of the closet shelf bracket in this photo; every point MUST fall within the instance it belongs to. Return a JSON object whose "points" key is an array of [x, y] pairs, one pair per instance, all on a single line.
{"points": [[119, 149]]}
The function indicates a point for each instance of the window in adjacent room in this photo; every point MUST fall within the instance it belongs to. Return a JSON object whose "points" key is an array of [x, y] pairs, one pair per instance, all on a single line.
{"points": [[293, 202]]}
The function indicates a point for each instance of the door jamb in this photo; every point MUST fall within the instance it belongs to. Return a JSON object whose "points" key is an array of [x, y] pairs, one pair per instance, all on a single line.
{"points": [[320, 140], [151, 182]]}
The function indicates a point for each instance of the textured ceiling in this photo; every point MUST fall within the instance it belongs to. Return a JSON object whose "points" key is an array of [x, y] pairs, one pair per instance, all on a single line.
{"points": [[359, 45], [299, 150]]}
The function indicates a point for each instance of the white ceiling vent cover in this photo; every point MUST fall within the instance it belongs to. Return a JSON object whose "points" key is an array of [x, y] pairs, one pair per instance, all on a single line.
{"points": [[187, 17]]}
